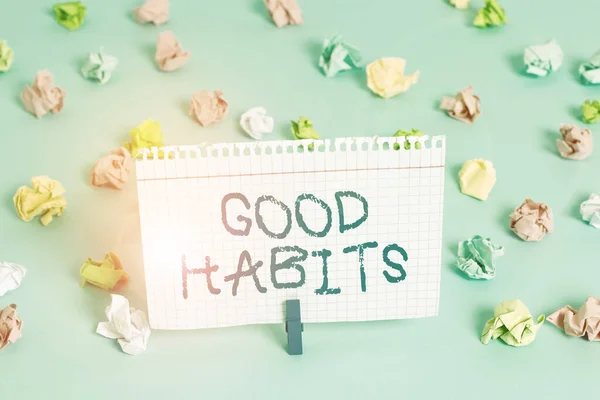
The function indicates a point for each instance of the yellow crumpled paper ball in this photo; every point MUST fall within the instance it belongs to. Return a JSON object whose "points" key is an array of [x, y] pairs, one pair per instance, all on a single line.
{"points": [[385, 77], [105, 274], [145, 136], [44, 199]]}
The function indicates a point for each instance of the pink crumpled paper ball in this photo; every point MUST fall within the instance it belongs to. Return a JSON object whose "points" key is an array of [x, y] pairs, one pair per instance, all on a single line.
{"points": [[531, 220], [112, 171]]}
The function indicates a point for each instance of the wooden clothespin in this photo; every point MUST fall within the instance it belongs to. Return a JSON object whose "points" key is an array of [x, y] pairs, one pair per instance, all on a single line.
{"points": [[293, 327]]}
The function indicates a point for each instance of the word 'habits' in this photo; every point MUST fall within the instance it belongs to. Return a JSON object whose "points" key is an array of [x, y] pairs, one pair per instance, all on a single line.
{"points": [[291, 257]]}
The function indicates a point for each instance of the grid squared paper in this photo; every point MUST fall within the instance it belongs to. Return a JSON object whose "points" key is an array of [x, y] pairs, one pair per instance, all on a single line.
{"points": [[180, 200]]}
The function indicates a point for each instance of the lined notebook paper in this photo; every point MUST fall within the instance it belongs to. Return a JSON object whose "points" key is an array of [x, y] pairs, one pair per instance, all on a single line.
{"points": [[351, 227]]}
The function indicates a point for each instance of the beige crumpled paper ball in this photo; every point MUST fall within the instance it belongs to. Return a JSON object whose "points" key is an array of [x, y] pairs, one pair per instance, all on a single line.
{"points": [[531, 220], [208, 107]]}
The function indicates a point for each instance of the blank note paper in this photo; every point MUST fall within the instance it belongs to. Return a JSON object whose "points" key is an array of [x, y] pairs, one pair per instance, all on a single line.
{"points": [[352, 228]]}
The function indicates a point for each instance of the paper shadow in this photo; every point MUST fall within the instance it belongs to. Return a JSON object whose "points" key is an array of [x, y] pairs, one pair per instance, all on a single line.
{"points": [[313, 51], [549, 141], [515, 61], [258, 7], [575, 112], [574, 211], [504, 219], [481, 316], [574, 70], [277, 334], [454, 170]]}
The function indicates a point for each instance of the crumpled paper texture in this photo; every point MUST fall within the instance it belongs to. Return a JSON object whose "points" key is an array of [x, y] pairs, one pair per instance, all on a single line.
{"points": [[543, 59], [477, 257], [462, 4], [169, 53], [145, 136], [303, 129], [70, 15], [590, 210], [490, 15], [112, 171], [589, 71], [386, 78], [255, 122], [284, 12], [126, 324], [463, 107], [337, 56], [576, 143], [99, 67], [590, 111], [413, 132], [11, 276], [208, 107], [41, 97], [154, 11], [531, 220], [10, 326], [512, 323], [105, 274], [6, 56], [44, 199], [477, 178], [584, 322]]}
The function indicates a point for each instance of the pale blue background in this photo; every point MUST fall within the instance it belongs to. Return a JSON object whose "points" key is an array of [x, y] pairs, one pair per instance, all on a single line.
{"points": [[237, 49]]}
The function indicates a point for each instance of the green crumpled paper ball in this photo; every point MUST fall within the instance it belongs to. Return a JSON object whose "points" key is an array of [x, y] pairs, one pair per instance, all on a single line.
{"points": [[490, 15], [69, 15], [303, 129], [477, 257], [6, 56], [512, 323], [413, 132], [590, 111]]}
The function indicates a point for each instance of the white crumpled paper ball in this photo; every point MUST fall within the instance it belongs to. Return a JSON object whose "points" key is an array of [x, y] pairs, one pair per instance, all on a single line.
{"points": [[255, 122]]}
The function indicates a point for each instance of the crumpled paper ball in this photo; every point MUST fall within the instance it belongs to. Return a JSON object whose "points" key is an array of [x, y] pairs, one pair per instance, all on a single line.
{"points": [[284, 12], [386, 78], [337, 56], [11, 276], [41, 97], [463, 107], [10, 326], [477, 257], [208, 107], [590, 111], [590, 210], [589, 71], [155, 11], [70, 15], [99, 67], [490, 15], [413, 132], [531, 220], [255, 122], [105, 274], [579, 323], [44, 199], [576, 143], [543, 59], [112, 171], [477, 178], [462, 4], [6, 56], [169, 53], [145, 136], [512, 323], [303, 129], [126, 324]]}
